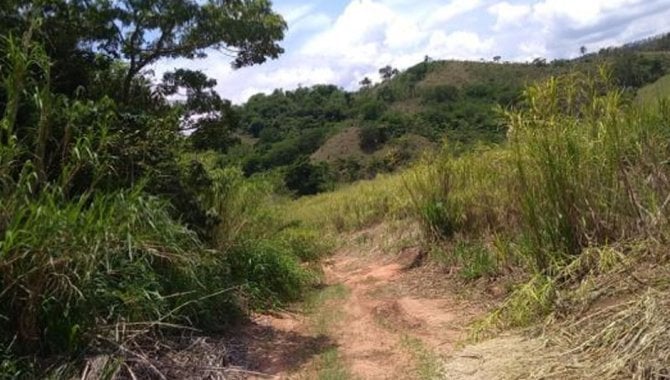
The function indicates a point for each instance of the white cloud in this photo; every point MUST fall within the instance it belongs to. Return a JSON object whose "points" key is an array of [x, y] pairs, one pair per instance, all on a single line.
{"points": [[311, 22], [294, 13], [459, 45], [323, 47], [508, 14], [453, 9]]}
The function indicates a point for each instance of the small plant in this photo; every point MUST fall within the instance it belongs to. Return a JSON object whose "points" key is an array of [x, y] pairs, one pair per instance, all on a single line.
{"points": [[475, 260], [330, 366], [428, 364]]}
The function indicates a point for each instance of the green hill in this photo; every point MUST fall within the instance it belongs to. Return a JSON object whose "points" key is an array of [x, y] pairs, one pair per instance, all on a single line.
{"points": [[335, 136]]}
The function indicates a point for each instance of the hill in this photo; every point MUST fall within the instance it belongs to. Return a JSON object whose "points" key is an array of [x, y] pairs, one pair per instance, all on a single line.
{"points": [[331, 136]]}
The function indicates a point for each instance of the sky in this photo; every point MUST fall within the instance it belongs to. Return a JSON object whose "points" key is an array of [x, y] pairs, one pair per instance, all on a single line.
{"points": [[342, 41]]}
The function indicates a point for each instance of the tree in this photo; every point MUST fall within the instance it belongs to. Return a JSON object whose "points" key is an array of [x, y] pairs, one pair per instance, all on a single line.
{"points": [[540, 62], [201, 98], [306, 178], [372, 137], [144, 31], [497, 58], [211, 118], [387, 72], [583, 50], [365, 83]]}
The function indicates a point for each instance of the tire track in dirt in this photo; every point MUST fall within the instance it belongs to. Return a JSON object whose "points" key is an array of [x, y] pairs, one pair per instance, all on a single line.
{"points": [[371, 335], [371, 330]]}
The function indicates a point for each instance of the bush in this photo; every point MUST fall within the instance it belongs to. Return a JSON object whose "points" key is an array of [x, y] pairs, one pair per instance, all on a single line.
{"points": [[268, 272], [372, 137], [371, 109], [306, 178], [440, 94]]}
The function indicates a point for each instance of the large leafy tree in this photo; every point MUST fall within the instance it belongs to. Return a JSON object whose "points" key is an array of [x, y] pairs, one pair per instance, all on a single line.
{"points": [[144, 31], [141, 32], [210, 118]]}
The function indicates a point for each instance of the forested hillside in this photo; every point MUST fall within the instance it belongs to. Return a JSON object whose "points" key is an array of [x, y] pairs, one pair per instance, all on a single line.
{"points": [[333, 136]]}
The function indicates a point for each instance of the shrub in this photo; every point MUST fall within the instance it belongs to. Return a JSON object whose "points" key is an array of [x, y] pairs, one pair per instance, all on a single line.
{"points": [[372, 137], [268, 272], [440, 94], [306, 178], [371, 109]]}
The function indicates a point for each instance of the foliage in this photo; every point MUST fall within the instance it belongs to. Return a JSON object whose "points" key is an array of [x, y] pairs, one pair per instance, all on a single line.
{"points": [[305, 178], [583, 169], [372, 137], [70, 267], [631, 70], [107, 231], [432, 99], [141, 33]]}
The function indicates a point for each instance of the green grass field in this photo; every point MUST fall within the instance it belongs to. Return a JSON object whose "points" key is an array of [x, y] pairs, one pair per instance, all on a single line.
{"points": [[652, 92]]}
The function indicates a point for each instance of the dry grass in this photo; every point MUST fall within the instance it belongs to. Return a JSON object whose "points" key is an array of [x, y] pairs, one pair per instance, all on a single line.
{"points": [[628, 340], [345, 144], [455, 73]]}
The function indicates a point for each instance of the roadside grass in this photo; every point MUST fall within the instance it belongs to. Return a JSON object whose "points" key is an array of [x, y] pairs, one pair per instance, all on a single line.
{"points": [[428, 365], [315, 305], [331, 367], [319, 305]]}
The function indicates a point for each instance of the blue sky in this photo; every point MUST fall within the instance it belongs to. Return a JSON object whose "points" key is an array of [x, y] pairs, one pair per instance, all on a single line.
{"points": [[342, 41]]}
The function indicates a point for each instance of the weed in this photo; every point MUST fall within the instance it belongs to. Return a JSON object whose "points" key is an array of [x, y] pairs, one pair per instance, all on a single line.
{"points": [[523, 306], [428, 364], [330, 366], [475, 259], [323, 317]]}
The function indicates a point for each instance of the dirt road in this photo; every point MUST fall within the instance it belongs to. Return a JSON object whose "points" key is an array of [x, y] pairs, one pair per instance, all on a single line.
{"points": [[372, 320]]}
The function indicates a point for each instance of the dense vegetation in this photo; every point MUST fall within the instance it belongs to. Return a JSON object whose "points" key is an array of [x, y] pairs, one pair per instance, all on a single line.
{"points": [[572, 208], [333, 136], [108, 231]]}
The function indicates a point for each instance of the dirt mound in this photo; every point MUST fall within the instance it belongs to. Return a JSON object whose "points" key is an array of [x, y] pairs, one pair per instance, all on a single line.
{"points": [[391, 315]]}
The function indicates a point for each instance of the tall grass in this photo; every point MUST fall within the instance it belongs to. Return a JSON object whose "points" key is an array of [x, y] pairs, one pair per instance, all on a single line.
{"points": [[95, 267], [468, 194], [70, 267], [582, 169], [591, 170], [354, 206]]}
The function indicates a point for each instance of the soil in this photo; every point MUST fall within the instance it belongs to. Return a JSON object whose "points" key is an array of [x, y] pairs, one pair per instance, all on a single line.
{"points": [[371, 325]]}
